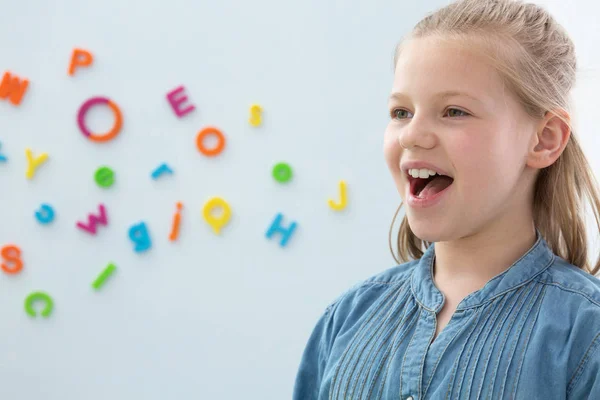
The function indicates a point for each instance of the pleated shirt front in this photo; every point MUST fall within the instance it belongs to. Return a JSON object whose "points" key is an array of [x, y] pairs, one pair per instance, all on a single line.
{"points": [[532, 332]]}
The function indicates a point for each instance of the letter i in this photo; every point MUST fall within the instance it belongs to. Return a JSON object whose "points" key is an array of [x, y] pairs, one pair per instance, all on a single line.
{"points": [[176, 220]]}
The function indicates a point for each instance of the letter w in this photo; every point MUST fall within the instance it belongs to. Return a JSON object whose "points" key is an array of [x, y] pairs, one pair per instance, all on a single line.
{"points": [[94, 220], [13, 87]]}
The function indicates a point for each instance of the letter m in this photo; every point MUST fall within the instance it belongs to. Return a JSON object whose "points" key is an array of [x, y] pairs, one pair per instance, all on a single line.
{"points": [[13, 88]]}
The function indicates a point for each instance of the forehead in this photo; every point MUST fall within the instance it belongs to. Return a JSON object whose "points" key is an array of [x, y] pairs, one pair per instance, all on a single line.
{"points": [[427, 66]]}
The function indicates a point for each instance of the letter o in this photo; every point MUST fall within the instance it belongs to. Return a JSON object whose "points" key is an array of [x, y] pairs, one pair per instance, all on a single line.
{"points": [[211, 130], [99, 137]]}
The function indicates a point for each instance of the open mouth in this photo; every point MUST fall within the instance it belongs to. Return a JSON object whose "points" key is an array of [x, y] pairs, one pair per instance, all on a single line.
{"points": [[426, 187]]}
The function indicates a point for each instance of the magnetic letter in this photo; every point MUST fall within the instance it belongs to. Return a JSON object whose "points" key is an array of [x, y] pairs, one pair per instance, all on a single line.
{"points": [[104, 137], [33, 163], [45, 214], [94, 220], [210, 130], [161, 169], [216, 222], [13, 87], [2, 156], [39, 296], [80, 58], [177, 102], [12, 254], [104, 177], [140, 237], [176, 221], [276, 227], [343, 199]]}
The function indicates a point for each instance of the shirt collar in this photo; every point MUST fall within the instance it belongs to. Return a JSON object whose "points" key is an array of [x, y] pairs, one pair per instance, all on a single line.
{"points": [[534, 261]]}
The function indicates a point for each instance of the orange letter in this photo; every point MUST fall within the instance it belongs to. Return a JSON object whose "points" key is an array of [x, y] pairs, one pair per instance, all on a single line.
{"points": [[176, 220], [211, 130], [12, 254], [13, 87], [80, 58]]}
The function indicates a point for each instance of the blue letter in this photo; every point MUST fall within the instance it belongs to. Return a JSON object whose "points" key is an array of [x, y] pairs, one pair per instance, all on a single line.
{"points": [[140, 237], [276, 227], [45, 215]]}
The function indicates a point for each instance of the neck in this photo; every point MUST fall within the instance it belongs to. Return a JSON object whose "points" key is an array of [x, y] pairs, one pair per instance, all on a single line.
{"points": [[471, 261]]}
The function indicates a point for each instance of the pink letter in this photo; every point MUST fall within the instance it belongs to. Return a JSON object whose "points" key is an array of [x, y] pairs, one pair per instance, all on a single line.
{"points": [[176, 102], [94, 220]]}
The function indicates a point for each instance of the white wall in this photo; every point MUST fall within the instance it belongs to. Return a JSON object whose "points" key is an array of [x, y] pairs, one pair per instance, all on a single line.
{"points": [[209, 317]]}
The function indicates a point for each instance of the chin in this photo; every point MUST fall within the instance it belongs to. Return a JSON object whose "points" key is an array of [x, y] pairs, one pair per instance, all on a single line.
{"points": [[429, 230]]}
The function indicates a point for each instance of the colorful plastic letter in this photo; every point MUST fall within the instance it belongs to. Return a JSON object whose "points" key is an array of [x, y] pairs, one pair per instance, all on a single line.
{"points": [[108, 271], [80, 58], [343, 201], [45, 214], [13, 87], [217, 223], [176, 221], [39, 296], [104, 177], [100, 137], [276, 227], [210, 130], [34, 163], [177, 101], [12, 254], [94, 220], [161, 169], [282, 172], [255, 115], [139, 235], [2, 157]]}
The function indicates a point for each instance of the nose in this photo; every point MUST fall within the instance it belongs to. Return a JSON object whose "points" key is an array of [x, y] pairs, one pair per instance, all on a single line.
{"points": [[416, 132]]}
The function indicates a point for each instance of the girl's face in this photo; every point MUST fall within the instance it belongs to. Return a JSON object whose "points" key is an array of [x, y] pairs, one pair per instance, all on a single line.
{"points": [[480, 138]]}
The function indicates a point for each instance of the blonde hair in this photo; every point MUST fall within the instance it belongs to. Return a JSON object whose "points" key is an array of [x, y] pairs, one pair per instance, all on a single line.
{"points": [[536, 59]]}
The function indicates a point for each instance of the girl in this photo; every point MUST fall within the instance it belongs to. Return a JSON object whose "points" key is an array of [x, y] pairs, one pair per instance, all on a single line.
{"points": [[498, 301]]}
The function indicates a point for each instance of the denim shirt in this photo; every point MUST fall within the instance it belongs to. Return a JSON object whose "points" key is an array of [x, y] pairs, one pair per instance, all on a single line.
{"points": [[532, 332]]}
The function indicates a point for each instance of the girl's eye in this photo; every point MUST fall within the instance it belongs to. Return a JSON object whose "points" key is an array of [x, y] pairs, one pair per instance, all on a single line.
{"points": [[395, 112], [456, 109]]}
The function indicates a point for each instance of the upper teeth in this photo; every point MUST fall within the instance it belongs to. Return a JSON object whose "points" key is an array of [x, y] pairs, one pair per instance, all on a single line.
{"points": [[421, 173]]}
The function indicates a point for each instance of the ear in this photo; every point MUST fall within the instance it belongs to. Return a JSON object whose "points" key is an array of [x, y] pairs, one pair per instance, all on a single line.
{"points": [[550, 140]]}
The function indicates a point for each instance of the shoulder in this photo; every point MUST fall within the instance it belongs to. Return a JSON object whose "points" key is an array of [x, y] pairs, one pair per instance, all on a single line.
{"points": [[571, 281], [368, 290], [569, 319]]}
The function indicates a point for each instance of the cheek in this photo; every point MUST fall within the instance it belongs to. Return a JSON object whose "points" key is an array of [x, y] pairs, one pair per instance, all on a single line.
{"points": [[391, 151], [484, 168]]}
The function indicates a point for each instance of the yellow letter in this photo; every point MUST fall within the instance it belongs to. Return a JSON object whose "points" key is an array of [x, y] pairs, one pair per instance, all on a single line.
{"points": [[343, 201], [33, 163], [216, 222]]}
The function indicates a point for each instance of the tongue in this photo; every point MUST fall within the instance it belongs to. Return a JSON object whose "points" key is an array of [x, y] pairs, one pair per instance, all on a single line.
{"points": [[434, 186]]}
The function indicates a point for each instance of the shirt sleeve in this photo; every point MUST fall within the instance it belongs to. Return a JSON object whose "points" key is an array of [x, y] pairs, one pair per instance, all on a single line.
{"points": [[586, 381], [314, 358]]}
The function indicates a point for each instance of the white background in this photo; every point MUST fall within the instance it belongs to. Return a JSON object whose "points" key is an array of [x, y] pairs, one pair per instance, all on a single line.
{"points": [[206, 317]]}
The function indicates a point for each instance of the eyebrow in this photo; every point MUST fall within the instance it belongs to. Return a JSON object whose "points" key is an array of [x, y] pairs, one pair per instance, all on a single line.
{"points": [[442, 95]]}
